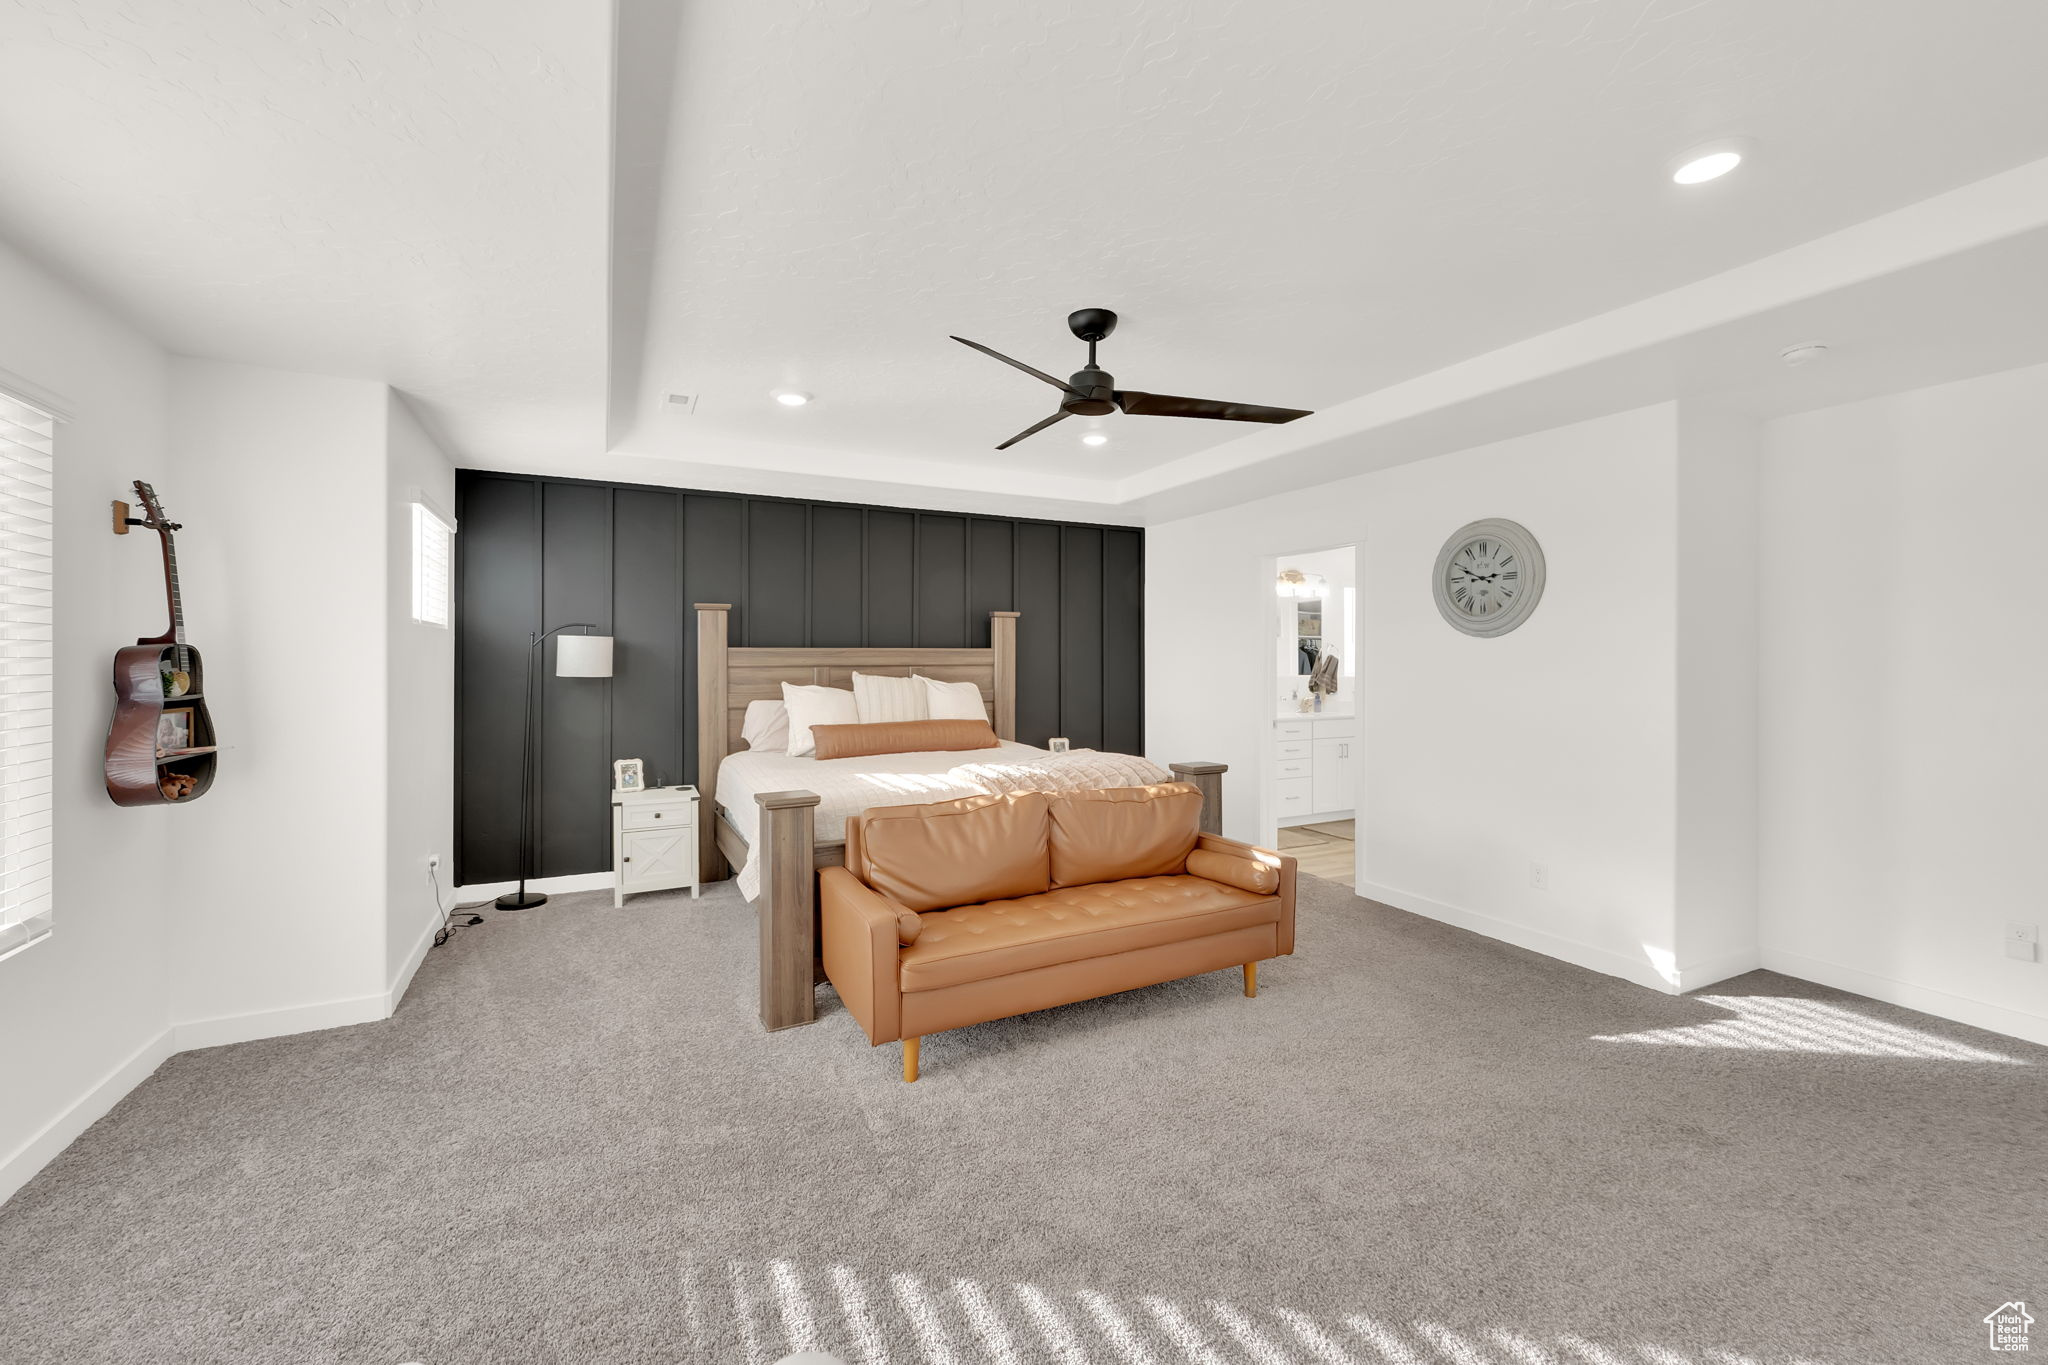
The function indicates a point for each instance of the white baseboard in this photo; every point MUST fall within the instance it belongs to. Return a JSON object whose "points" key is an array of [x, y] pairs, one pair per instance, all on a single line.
{"points": [[1639, 970], [1960, 1008], [247, 1028], [20, 1165], [1718, 969], [552, 886], [395, 992]]}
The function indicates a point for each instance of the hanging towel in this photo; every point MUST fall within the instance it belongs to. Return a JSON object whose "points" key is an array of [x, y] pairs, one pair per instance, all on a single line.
{"points": [[1324, 679]]}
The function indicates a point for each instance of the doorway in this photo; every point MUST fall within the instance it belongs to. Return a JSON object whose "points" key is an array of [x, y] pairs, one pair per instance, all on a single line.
{"points": [[1315, 751]]}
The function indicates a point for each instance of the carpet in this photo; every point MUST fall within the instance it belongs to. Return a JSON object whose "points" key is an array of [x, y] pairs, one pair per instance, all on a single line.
{"points": [[573, 1144]]}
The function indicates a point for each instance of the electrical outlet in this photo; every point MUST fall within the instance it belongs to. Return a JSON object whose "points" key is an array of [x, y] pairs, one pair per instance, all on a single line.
{"points": [[2022, 941], [433, 862], [1539, 876]]}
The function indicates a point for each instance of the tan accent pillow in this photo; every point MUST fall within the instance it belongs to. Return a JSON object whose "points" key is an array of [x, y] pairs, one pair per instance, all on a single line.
{"points": [[902, 737], [1120, 832], [1242, 873], [909, 924], [948, 853]]}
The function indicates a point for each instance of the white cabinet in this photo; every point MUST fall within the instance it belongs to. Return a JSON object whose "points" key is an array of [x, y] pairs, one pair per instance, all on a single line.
{"points": [[1315, 768], [654, 841]]}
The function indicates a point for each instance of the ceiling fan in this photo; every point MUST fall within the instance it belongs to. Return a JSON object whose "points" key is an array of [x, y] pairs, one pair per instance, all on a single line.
{"points": [[1092, 392]]}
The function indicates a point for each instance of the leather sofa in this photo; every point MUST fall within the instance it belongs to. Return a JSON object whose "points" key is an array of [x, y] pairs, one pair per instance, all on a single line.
{"points": [[959, 912]]}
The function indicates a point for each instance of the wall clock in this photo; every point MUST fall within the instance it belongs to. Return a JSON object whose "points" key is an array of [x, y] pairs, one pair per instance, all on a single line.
{"points": [[1489, 577]]}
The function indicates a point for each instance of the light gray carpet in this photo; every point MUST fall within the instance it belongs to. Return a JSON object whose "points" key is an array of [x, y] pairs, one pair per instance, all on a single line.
{"points": [[573, 1144]]}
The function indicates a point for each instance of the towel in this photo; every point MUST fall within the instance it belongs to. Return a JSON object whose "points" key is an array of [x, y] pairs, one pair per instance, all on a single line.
{"points": [[1324, 679]]}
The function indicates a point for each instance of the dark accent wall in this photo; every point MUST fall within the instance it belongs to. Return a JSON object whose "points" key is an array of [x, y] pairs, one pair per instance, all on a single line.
{"points": [[535, 553]]}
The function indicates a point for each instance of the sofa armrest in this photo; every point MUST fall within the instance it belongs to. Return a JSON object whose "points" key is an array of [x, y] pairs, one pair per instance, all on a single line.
{"points": [[862, 947], [1253, 871]]}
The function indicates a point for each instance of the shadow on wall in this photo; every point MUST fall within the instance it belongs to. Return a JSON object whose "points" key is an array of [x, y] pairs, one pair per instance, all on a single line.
{"points": [[782, 1308]]}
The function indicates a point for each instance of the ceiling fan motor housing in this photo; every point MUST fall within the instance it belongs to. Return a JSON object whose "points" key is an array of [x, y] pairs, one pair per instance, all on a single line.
{"points": [[1092, 390]]}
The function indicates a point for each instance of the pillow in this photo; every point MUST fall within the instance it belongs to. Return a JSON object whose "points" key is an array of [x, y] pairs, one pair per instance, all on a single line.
{"points": [[810, 706], [952, 700], [766, 727], [883, 699], [902, 737]]}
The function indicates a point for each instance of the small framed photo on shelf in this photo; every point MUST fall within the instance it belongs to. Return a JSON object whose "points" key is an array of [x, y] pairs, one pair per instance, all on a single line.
{"points": [[629, 775], [173, 730]]}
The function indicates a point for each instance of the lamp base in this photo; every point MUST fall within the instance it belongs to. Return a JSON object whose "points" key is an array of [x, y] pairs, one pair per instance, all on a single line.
{"points": [[521, 900]]}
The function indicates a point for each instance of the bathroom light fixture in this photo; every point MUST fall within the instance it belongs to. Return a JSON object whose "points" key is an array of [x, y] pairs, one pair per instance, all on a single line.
{"points": [[790, 398], [1709, 161], [1095, 438], [1295, 583]]}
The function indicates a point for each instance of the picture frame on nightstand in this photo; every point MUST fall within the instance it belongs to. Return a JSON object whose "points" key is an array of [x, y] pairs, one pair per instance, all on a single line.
{"points": [[629, 775]]}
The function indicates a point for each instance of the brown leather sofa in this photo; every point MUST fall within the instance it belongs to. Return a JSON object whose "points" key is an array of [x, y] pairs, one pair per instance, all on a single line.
{"points": [[959, 912]]}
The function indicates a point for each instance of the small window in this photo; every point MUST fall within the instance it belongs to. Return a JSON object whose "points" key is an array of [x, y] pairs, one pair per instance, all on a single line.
{"points": [[433, 566], [27, 633]]}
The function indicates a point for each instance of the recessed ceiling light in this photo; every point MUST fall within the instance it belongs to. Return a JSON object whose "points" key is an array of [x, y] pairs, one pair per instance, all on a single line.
{"points": [[1710, 161], [790, 398], [1095, 438]]}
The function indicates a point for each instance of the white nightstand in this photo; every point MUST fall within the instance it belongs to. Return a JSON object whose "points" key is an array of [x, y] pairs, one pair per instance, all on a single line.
{"points": [[654, 841]]}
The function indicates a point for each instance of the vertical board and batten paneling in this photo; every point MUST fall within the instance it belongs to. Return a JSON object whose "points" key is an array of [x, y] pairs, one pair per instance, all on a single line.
{"points": [[535, 552]]}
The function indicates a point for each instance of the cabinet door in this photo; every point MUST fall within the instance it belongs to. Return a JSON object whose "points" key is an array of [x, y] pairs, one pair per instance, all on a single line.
{"points": [[1335, 783], [659, 857]]}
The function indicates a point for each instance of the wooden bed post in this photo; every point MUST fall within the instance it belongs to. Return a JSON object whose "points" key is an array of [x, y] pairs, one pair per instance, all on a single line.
{"points": [[1208, 779], [1002, 638], [711, 739], [787, 907]]}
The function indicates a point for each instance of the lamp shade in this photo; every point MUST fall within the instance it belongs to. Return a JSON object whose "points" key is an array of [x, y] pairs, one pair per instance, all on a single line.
{"points": [[583, 656]]}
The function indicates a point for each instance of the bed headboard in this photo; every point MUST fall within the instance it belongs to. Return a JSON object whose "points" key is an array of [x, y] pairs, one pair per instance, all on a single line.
{"points": [[728, 678]]}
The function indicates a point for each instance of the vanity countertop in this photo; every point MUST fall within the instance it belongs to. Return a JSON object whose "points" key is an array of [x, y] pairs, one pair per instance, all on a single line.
{"points": [[1327, 713]]}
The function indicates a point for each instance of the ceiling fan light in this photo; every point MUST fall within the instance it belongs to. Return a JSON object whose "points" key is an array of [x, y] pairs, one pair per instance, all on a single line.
{"points": [[1095, 438], [791, 398], [1709, 161]]}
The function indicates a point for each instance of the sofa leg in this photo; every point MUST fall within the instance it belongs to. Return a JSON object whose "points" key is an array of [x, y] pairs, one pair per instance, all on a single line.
{"points": [[1251, 978], [909, 1059]]}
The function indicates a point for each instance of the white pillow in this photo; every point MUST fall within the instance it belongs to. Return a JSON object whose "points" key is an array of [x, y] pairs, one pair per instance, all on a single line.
{"points": [[766, 727], [882, 698], [952, 700], [810, 706]]}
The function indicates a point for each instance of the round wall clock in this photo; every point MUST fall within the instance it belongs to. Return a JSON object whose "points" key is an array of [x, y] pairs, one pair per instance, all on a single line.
{"points": [[1489, 577]]}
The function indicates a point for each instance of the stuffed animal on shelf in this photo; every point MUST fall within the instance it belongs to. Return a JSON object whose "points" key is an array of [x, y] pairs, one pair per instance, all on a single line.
{"points": [[176, 785]]}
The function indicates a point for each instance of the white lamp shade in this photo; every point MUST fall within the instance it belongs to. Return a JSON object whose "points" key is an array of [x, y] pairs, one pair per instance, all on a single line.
{"points": [[583, 656]]}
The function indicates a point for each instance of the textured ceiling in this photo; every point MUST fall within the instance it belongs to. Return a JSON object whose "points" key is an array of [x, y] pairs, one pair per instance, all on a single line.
{"points": [[1290, 203], [408, 190]]}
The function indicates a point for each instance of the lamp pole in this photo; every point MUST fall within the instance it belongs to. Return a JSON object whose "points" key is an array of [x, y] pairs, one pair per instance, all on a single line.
{"points": [[522, 899]]}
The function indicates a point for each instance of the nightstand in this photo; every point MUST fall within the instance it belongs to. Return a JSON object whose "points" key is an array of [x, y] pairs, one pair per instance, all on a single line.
{"points": [[654, 841]]}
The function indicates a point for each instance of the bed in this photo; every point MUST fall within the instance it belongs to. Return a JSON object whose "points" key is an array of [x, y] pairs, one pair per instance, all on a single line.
{"points": [[776, 820]]}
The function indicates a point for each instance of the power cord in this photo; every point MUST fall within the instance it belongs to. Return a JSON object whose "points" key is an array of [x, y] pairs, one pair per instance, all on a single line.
{"points": [[448, 927]]}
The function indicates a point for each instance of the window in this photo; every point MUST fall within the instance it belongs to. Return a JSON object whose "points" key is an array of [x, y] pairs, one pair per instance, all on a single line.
{"points": [[433, 566], [27, 495]]}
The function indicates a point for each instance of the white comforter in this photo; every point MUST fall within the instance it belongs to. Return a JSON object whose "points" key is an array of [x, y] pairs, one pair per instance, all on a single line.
{"points": [[849, 786]]}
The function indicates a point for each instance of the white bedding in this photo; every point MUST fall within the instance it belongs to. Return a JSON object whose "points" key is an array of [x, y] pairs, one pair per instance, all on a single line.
{"points": [[849, 786]]}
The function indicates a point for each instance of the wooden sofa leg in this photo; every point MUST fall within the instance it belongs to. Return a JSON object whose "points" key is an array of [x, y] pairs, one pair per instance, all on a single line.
{"points": [[1251, 978], [909, 1060]]}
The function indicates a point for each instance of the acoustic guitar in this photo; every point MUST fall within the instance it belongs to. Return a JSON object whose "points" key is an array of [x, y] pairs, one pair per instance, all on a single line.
{"points": [[160, 746]]}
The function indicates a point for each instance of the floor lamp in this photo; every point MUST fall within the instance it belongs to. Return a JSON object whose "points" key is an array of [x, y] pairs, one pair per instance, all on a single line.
{"points": [[576, 656]]}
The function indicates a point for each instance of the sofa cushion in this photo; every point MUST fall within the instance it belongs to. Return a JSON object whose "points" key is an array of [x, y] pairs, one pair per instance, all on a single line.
{"points": [[980, 942], [948, 853], [1121, 832], [1244, 873]]}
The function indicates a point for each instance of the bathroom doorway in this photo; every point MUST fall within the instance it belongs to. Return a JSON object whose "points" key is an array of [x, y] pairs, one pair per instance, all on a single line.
{"points": [[1316, 750]]}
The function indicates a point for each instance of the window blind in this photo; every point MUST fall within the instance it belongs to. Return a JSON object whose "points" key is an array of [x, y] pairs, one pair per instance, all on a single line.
{"points": [[27, 647], [433, 567]]}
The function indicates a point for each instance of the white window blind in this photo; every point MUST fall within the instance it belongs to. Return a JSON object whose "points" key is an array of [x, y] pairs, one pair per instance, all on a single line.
{"points": [[433, 566], [27, 631]]}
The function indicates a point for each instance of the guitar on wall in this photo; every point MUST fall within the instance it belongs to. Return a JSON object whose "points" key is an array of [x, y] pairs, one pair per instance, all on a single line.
{"points": [[160, 746]]}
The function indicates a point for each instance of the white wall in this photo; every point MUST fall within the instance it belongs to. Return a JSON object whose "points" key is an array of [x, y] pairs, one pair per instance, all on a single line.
{"points": [[283, 490], [1903, 672], [420, 739], [85, 1014], [1555, 744]]}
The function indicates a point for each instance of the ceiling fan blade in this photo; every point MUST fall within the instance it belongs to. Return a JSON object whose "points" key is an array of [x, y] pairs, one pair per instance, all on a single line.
{"points": [[1166, 405], [1032, 430], [1059, 384]]}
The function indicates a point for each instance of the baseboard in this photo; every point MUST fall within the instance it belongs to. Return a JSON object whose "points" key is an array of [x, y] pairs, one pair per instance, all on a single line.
{"points": [[21, 1165], [1714, 969], [1608, 963], [552, 886], [395, 992], [246, 1028], [2033, 1028]]}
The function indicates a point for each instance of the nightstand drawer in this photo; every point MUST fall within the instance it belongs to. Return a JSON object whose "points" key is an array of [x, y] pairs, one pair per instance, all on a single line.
{"points": [[659, 814]]}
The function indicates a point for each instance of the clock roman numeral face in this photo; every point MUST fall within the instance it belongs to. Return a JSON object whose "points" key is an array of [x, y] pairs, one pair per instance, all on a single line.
{"points": [[1482, 578]]}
